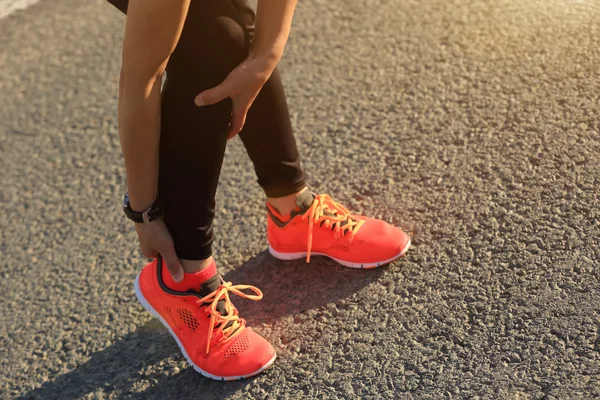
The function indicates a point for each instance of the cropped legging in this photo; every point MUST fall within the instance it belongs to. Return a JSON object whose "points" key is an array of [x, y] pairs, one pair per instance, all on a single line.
{"points": [[215, 39]]}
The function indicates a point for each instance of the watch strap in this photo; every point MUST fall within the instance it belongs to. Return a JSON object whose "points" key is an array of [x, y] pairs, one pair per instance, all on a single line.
{"points": [[143, 217]]}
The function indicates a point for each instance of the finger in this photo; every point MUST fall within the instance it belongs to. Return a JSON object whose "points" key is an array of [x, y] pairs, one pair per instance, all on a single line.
{"points": [[238, 119], [214, 95], [173, 263]]}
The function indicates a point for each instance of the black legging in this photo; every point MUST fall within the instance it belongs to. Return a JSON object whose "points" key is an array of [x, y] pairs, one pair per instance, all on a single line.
{"points": [[215, 39]]}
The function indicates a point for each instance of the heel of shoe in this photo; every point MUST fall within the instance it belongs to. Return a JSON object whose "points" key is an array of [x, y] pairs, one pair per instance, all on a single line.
{"points": [[286, 256], [142, 299]]}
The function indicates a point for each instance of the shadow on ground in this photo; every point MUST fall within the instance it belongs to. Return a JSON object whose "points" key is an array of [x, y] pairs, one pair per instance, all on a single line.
{"points": [[290, 287]]}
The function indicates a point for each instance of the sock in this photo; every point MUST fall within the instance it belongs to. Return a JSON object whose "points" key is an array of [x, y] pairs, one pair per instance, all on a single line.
{"points": [[193, 282]]}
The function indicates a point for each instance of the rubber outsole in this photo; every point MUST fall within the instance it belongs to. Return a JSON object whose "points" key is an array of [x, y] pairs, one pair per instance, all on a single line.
{"points": [[152, 311], [299, 255]]}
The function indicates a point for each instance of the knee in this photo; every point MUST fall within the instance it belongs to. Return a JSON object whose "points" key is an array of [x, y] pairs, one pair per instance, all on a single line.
{"points": [[215, 48]]}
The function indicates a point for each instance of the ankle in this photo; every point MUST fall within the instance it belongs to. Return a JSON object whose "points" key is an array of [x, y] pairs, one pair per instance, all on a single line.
{"points": [[193, 266], [285, 205]]}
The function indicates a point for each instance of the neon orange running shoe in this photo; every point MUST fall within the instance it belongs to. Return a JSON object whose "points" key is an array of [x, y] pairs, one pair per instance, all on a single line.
{"points": [[206, 325], [321, 226]]}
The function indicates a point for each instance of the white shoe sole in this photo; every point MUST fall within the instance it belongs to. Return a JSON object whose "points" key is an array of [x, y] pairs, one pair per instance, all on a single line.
{"points": [[297, 256], [148, 307]]}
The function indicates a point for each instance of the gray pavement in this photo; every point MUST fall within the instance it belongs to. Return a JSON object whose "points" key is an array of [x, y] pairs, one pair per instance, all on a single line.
{"points": [[471, 124]]}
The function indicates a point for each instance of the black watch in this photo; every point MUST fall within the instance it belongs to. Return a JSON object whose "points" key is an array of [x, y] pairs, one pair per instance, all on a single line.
{"points": [[154, 212]]}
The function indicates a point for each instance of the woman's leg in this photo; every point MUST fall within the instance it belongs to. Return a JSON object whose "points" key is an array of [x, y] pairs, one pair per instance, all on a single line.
{"points": [[267, 133], [270, 143], [193, 139], [192, 143]]}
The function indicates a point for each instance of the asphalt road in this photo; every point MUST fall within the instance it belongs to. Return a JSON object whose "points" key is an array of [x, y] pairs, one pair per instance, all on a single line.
{"points": [[471, 124]]}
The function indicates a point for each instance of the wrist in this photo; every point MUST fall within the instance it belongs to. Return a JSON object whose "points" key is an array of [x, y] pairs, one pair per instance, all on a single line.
{"points": [[147, 215], [268, 58], [140, 204]]}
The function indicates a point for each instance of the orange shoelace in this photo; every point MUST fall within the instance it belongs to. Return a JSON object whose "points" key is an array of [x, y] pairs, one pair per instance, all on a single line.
{"points": [[231, 325], [328, 213]]}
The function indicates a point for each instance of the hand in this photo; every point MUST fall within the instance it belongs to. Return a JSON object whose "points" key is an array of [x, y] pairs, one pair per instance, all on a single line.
{"points": [[155, 239], [243, 85]]}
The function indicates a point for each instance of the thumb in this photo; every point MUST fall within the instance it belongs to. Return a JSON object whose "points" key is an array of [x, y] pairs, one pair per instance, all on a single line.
{"points": [[173, 263], [214, 95]]}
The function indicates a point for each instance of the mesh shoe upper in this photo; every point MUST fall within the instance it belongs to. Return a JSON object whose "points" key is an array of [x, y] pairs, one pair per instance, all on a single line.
{"points": [[215, 340], [326, 227]]}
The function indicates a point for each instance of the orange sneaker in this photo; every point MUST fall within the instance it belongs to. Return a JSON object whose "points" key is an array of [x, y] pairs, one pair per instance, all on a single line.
{"points": [[320, 226], [205, 325]]}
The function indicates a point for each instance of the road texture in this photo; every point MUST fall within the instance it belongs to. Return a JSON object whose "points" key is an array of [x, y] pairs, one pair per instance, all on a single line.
{"points": [[471, 124]]}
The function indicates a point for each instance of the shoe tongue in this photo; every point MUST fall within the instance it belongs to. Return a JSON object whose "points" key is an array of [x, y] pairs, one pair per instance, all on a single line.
{"points": [[305, 200], [209, 286]]}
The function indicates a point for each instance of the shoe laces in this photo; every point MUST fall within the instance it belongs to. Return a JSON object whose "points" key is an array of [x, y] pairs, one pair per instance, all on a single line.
{"points": [[231, 325], [329, 213]]}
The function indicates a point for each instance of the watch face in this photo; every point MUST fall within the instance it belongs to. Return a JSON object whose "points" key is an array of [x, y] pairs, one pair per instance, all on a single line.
{"points": [[126, 200]]}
